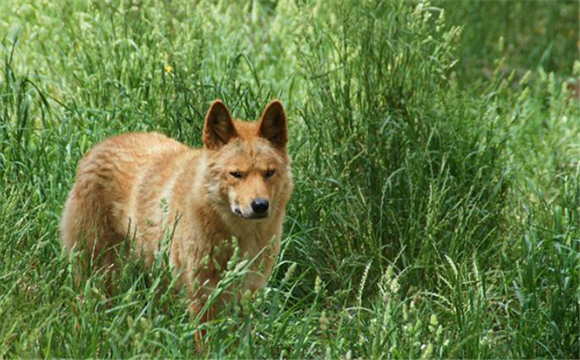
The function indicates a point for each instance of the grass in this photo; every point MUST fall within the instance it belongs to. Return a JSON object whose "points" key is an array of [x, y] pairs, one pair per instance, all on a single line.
{"points": [[437, 202]]}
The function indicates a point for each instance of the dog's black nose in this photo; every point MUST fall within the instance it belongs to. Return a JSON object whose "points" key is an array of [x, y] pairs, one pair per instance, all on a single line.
{"points": [[260, 206]]}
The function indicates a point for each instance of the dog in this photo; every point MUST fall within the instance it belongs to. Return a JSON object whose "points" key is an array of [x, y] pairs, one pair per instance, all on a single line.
{"points": [[142, 186]]}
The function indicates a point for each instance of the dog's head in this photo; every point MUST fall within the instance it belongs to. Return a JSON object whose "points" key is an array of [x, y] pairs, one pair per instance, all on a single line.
{"points": [[248, 163]]}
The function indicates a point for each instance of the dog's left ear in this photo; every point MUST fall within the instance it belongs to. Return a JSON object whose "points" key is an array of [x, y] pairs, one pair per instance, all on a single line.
{"points": [[273, 124], [218, 127]]}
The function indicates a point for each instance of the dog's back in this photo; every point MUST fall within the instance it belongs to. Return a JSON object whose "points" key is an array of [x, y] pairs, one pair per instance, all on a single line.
{"points": [[97, 213]]}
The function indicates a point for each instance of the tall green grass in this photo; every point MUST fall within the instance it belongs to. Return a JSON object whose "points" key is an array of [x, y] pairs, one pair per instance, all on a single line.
{"points": [[431, 217], [535, 34]]}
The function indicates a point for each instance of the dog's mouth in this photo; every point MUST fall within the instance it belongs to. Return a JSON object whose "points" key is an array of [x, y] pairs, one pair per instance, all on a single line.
{"points": [[252, 216]]}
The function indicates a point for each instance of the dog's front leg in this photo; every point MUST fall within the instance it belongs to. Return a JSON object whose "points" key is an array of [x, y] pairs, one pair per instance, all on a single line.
{"points": [[204, 317]]}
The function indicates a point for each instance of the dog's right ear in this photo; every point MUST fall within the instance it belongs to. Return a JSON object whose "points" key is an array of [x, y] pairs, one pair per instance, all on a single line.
{"points": [[273, 124], [218, 128]]}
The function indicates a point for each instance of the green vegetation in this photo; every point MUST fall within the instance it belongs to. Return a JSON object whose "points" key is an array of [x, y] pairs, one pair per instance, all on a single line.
{"points": [[437, 202]]}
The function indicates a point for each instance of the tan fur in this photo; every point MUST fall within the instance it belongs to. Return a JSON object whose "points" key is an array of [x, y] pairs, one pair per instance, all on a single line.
{"points": [[137, 185]]}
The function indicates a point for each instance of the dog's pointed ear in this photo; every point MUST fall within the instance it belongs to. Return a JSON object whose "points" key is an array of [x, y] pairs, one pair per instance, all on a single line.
{"points": [[273, 124], [218, 128]]}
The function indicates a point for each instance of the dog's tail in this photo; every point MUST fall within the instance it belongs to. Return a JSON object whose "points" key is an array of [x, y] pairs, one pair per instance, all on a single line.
{"points": [[86, 229]]}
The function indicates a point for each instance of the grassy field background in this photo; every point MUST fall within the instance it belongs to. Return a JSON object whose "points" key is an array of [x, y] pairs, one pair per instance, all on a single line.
{"points": [[435, 147]]}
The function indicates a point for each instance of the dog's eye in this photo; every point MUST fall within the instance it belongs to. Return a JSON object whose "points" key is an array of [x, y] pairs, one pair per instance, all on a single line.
{"points": [[270, 173], [236, 174]]}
